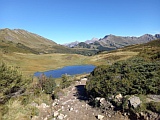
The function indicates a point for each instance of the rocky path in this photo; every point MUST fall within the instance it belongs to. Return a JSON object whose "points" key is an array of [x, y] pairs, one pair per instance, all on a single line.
{"points": [[73, 106]]}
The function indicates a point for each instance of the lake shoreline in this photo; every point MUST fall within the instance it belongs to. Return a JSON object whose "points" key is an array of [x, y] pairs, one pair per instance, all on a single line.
{"points": [[68, 70]]}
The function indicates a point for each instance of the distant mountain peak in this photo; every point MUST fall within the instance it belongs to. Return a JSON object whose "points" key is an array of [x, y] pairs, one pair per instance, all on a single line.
{"points": [[72, 44], [92, 40], [110, 42]]}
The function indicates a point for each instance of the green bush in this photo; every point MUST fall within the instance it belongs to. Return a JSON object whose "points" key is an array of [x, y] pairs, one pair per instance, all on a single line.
{"points": [[154, 106], [24, 99], [49, 86], [46, 84], [11, 82], [65, 82], [134, 76]]}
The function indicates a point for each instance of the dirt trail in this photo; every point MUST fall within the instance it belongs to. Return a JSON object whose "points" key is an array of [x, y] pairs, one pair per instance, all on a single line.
{"points": [[74, 105]]}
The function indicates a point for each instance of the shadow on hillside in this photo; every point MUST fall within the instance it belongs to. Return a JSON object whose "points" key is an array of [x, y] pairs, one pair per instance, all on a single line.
{"points": [[81, 93]]}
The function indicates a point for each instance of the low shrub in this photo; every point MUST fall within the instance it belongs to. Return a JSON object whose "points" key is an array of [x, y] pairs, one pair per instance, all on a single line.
{"points": [[154, 106], [65, 82], [12, 83]]}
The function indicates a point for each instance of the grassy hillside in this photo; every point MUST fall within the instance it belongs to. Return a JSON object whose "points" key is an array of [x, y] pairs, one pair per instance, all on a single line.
{"points": [[9, 47], [27, 38], [18, 40], [139, 75]]}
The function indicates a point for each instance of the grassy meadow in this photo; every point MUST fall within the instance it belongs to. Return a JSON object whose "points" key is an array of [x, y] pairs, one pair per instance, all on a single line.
{"points": [[30, 63]]}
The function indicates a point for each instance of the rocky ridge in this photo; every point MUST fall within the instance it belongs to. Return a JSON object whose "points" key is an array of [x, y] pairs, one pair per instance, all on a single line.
{"points": [[114, 42]]}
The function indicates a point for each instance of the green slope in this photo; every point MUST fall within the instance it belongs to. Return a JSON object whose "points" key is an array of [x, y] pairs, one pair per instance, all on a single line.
{"points": [[18, 40]]}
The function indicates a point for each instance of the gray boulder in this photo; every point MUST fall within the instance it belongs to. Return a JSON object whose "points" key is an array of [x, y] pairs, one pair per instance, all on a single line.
{"points": [[134, 101]]}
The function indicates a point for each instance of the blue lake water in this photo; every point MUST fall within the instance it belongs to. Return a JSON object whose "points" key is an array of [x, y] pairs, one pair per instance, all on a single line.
{"points": [[69, 70]]}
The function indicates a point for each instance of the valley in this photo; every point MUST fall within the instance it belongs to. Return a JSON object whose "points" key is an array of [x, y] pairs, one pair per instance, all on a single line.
{"points": [[30, 63], [124, 71]]}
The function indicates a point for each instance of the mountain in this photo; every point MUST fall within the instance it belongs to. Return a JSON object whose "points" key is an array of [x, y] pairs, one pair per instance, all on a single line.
{"points": [[72, 44], [27, 38], [18, 40], [91, 41], [82, 45], [110, 42], [119, 41]]}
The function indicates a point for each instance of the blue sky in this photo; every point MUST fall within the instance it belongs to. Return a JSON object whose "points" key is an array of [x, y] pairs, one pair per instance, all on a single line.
{"points": [[66, 21]]}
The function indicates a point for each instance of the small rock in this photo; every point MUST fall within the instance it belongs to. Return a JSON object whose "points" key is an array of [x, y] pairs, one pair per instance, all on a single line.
{"points": [[45, 118], [106, 113], [119, 97], [97, 98], [100, 117], [56, 113], [61, 117], [73, 88], [84, 79], [87, 106], [34, 118], [34, 104], [54, 103], [109, 115], [102, 100], [141, 113], [112, 106], [43, 105], [71, 109], [125, 114], [65, 116]]}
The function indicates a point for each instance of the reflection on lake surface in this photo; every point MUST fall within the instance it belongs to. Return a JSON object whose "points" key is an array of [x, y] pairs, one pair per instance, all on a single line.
{"points": [[69, 70]]}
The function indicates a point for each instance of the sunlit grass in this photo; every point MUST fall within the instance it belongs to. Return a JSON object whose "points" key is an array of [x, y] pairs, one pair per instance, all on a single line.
{"points": [[31, 63], [16, 111]]}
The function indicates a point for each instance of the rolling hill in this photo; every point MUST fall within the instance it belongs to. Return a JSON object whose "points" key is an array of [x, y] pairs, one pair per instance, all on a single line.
{"points": [[18, 40]]}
